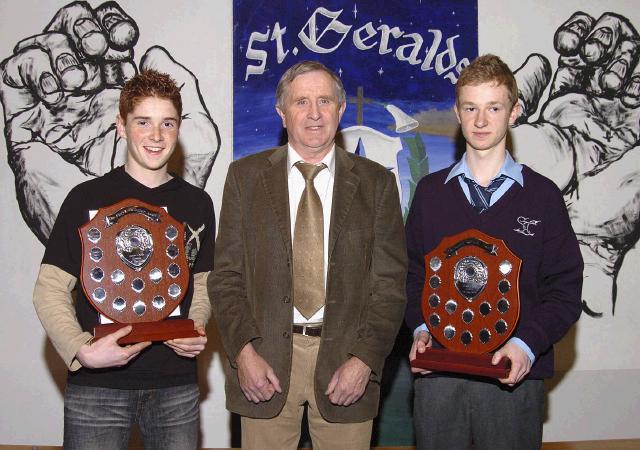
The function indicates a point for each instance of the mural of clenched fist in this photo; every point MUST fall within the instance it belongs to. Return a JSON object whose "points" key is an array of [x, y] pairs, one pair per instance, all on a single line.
{"points": [[60, 91], [586, 138]]}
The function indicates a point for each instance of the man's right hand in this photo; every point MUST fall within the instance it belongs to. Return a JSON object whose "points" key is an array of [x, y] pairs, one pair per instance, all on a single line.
{"points": [[421, 342], [106, 352], [257, 379]]}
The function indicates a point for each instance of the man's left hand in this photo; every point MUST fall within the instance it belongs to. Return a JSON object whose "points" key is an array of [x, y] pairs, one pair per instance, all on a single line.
{"points": [[348, 382], [520, 362], [189, 347]]}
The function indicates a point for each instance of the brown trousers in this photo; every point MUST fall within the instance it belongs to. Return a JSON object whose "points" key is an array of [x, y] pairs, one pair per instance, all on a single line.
{"points": [[283, 431]]}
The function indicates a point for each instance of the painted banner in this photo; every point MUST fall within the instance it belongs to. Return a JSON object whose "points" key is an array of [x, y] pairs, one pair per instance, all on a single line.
{"points": [[398, 62]]}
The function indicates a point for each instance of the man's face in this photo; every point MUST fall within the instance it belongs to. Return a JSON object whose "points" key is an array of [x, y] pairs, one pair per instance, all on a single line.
{"points": [[151, 132], [311, 114], [485, 113]]}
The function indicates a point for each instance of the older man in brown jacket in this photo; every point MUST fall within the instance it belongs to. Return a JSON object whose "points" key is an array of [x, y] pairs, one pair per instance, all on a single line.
{"points": [[285, 355]]}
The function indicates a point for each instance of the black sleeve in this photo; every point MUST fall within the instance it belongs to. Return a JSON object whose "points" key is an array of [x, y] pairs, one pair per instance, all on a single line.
{"points": [[64, 248], [204, 260]]}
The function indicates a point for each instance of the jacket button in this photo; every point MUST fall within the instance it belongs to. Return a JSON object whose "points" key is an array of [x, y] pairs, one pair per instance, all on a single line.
{"points": [[286, 299], [285, 335]]}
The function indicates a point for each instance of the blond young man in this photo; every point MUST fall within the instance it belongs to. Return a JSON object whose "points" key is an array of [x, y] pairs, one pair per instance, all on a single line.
{"points": [[489, 191]]}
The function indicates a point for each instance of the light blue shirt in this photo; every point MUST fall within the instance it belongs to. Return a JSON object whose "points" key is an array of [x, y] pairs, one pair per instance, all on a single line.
{"points": [[513, 171]]}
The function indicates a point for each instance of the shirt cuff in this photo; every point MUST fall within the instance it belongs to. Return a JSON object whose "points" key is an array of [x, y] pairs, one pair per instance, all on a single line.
{"points": [[422, 327], [520, 343]]}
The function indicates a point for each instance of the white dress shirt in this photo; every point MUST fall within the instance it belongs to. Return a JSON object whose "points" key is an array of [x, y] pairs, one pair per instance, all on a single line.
{"points": [[323, 183]]}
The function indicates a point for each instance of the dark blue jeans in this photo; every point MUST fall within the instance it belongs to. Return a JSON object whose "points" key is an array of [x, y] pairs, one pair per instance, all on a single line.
{"points": [[101, 418]]}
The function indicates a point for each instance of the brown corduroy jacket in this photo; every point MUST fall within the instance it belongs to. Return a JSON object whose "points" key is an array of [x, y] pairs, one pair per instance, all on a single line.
{"points": [[251, 285]]}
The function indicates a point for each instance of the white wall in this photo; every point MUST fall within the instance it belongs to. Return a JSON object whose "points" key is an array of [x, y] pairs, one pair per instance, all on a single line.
{"points": [[597, 399], [198, 35]]}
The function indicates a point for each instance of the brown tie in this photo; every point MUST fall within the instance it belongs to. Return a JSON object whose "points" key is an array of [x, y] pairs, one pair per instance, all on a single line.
{"points": [[308, 250]]}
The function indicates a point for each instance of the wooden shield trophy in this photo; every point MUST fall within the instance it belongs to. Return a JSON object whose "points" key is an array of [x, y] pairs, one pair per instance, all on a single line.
{"points": [[135, 271], [470, 303]]}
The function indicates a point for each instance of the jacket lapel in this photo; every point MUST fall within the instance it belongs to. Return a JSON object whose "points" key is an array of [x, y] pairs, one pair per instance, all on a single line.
{"points": [[344, 188], [274, 180]]}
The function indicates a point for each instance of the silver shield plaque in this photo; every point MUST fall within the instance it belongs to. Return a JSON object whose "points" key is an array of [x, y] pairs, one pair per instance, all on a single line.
{"points": [[470, 276], [134, 246], [134, 267]]}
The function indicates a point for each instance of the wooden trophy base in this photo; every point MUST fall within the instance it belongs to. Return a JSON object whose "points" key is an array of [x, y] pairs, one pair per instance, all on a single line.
{"points": [[460, 362], [149, 331]]}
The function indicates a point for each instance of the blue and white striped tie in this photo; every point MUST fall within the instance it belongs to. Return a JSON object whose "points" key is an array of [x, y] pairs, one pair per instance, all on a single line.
{"points": [[481, 196]]}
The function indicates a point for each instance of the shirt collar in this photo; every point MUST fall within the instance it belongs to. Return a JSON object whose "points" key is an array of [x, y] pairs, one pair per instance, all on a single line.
{"points": [[329, 159], [509, 168]]}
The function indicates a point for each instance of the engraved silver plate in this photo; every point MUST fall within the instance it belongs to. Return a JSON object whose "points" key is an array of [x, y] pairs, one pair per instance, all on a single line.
{"points": [[174, 290], [467, 316], [434, 300], [470, 275], [435, 263], [95, 254], [434, 320], [451, 306], [158, 302], [94, 235], [172, 251], [505, 267], [504, 286], [449, 332], [155, 275], [139, 307], [97, 274], [434, 282], [134, 246], [171, 233], [485, 308], [466, 337], [485, 335], [173, 270], [137, 285], [501, 326], [99, 294], [119, 304], [503, 305], [117, 276]]}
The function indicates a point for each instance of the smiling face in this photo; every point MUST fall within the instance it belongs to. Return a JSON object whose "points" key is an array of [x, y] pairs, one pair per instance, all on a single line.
{"points": [[311, 114], [151, 132], [485, 114]]}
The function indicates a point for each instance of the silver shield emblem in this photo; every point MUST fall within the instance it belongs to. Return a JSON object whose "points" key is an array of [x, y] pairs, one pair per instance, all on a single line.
{"points": [[470, 276], [134, 246]]}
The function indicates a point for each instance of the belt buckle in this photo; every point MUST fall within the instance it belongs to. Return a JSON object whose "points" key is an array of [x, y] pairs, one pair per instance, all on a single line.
{"points": [[306, 329]]}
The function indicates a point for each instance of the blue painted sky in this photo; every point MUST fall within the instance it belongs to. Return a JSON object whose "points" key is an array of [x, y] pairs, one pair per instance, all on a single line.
{"points": [[410, 42]]}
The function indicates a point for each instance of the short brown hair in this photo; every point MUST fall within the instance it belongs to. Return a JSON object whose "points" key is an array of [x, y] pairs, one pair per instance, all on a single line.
{"points": [[304, 67], [149, 83], [485, 69]]}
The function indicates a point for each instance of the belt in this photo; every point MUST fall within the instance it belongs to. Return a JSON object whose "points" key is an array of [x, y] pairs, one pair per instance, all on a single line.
{"points": [[308, 330]]}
